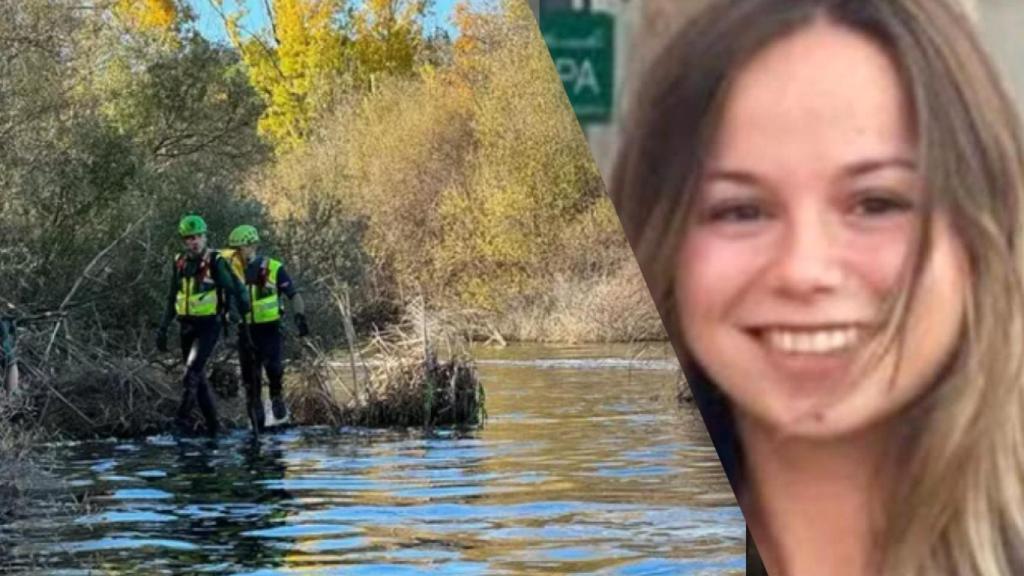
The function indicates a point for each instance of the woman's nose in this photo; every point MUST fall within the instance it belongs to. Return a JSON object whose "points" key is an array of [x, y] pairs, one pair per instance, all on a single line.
{"points": [[806, 263]]}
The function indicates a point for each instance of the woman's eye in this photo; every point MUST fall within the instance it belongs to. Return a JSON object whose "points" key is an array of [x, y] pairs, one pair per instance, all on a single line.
{"points": [[736, 213], [875, 205]]}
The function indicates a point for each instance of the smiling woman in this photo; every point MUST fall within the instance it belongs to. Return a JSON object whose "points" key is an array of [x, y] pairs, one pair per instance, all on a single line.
{"points": [[825, 199]]}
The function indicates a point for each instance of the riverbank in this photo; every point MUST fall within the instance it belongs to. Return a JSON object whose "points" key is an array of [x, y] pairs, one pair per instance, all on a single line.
{"points": [[609, 307], [612, 308], [403, 384]]}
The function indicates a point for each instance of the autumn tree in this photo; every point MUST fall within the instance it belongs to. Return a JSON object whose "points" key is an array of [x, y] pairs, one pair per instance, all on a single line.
{"points": [[470, 182], [532, 175], [315, 50], [387, 38], [291, 62]]}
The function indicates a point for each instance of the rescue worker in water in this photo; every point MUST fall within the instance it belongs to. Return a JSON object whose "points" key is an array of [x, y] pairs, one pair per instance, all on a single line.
{"points": [[261, 340], [202, 288]]}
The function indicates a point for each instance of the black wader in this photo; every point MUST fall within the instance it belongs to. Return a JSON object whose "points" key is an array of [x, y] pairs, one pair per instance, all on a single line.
{"points": [[198, 340], [265, 353]]}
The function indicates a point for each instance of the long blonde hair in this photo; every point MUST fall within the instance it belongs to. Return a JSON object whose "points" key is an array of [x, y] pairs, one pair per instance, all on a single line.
{"points": [[960, 506]]}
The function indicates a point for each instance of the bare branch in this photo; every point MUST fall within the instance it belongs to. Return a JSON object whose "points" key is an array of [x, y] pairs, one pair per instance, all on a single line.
{"points": [[84, 275]]}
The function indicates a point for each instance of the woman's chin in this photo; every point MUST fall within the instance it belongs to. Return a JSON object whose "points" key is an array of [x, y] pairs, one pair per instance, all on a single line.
{"points": [[858, 412]]}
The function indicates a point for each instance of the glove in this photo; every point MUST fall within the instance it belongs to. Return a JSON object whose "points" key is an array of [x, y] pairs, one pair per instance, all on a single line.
{"points": [[300, 323], [161, 339]]}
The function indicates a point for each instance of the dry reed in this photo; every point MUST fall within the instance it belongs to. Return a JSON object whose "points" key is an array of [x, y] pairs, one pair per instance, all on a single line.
{"points": [[397, 380]]}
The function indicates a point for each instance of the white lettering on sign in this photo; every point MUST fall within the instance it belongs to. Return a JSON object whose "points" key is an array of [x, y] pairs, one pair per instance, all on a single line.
{"points": [[579, 76], [595, 41]]}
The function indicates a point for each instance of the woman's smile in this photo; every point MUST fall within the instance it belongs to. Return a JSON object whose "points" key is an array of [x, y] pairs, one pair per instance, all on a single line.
{"points": [[819, 355], [803, 341], [801, 235]]}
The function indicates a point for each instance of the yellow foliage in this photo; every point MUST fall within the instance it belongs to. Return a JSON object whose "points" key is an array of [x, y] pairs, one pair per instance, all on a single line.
{"points": [[314, 53], [409, 141], [149, 15], [291, 66], [471, 26], [387, 38], [532, 176], [474, 178]]}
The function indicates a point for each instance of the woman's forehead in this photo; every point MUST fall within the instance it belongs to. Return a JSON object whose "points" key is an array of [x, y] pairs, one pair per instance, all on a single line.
{"points": [[824, 93]]}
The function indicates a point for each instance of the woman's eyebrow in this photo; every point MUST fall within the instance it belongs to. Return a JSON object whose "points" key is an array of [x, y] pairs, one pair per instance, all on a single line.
{"points": [[875, 164], [731, 176], [859, 168]]}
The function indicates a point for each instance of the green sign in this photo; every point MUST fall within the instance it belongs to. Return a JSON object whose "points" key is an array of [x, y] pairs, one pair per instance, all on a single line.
{"points": [[582, 47]]}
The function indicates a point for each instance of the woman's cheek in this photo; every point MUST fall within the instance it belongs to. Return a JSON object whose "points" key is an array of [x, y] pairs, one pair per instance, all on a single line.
{"points": [[712, 272], [879, 260]]}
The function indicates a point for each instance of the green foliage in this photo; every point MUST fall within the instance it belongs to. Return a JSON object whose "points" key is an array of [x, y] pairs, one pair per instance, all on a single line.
{"points": [[109, 138], [180, 103]]}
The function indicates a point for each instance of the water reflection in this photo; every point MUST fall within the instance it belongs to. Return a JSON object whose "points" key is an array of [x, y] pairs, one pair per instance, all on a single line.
{"points": [[584, 466]]}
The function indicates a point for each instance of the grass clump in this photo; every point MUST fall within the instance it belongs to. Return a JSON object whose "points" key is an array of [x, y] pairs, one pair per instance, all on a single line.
{"points": [[398, 380]]}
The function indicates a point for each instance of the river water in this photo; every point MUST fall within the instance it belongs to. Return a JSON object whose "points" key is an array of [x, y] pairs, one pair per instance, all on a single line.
{"points": [[585, 465]]}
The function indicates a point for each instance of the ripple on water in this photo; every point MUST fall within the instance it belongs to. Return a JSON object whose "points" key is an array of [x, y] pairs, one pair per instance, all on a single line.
{"points": [[138, 517], [127, 543], [140, 494], [582, 467], [296, 531]]}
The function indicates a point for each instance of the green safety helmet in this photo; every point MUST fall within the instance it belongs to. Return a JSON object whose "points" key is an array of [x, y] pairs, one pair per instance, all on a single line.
{"points": [[191, 225], [244, 235]]}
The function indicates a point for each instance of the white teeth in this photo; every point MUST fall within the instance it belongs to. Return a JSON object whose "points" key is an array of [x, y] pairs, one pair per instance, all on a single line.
{"points": [[812, 341]]}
